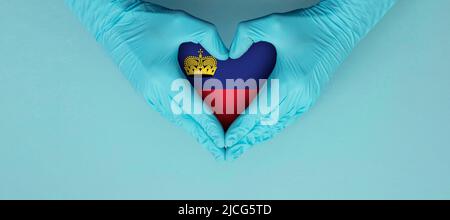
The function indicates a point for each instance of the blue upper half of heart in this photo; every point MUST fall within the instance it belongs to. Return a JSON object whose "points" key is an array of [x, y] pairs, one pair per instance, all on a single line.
{"points": [[258, 63]]}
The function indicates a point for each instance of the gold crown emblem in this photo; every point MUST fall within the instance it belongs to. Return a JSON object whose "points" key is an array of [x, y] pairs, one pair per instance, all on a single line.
{"points": [[199, 66]]}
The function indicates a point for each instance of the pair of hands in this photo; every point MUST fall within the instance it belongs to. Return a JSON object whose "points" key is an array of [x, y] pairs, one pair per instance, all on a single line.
{"points": [[143, 39]]}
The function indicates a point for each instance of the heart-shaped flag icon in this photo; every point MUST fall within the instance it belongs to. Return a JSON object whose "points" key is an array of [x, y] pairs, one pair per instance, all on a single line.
{"points": [[227, 86]]}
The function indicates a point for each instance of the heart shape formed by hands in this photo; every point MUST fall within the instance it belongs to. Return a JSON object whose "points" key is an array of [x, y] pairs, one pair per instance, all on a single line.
{"points": [[310, 44], [228, 86]]}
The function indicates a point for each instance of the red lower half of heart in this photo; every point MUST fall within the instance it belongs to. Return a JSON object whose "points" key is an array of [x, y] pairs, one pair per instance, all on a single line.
{"points": [[228, 104]]}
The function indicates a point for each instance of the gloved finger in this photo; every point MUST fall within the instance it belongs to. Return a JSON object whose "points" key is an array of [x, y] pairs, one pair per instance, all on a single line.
{"points": [[261, 133], [252, 129], [207, 122], [291, 108], [248, 124], [204, 127], [257, 132], [200, 128], [244, 38], [240, 128], [247, 121], [159, 89], [213, 43], [205, 130], [204, 33]]}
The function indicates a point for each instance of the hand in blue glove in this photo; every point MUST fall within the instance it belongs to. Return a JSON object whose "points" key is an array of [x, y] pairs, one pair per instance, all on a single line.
{"points": [[143, 39], [311, 43]]}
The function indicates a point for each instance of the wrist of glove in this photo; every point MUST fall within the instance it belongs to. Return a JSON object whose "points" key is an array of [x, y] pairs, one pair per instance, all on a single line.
{"points": [[344, 23]]}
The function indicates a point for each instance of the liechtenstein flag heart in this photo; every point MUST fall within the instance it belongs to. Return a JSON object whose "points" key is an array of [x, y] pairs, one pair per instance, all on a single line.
{"points": [[227, 86]]}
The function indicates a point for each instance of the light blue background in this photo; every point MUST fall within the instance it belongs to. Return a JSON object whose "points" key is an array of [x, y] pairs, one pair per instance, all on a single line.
{"points": [[71, 127]]}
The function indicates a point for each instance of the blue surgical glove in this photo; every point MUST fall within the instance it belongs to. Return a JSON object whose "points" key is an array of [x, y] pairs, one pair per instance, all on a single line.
{"points": [[143, 40], [311, 43]]}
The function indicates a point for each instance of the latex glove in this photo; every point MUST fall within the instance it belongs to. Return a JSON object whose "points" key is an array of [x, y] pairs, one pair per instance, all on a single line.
{"points": [[143, 39], [311, 43]]}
